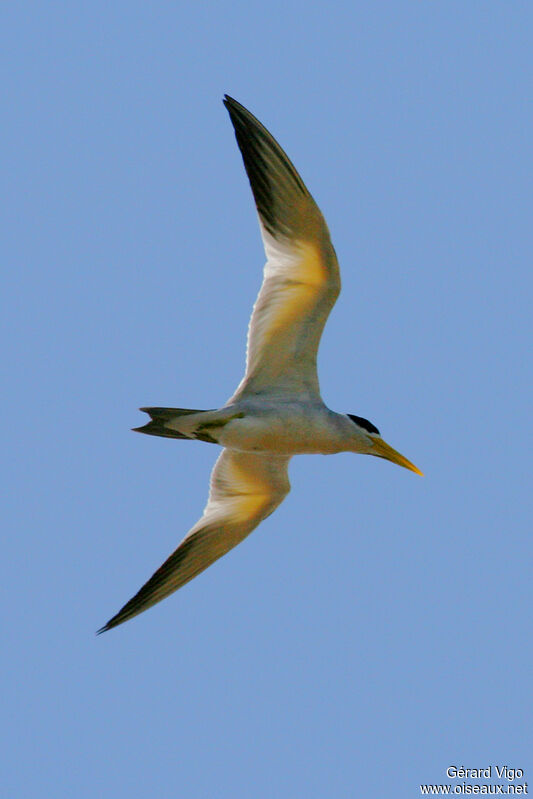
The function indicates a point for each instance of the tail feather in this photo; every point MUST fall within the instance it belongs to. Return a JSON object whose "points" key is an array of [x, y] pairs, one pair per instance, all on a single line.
{"points": [[158, 418]]}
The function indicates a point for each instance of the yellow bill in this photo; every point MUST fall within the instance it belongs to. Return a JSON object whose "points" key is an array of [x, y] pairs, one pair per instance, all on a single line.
{"points": [[384, 450]]}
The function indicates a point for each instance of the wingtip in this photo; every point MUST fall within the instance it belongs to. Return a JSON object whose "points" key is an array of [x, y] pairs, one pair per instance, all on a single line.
{"points": [[113, 622], [230, 105], [233, 106]]}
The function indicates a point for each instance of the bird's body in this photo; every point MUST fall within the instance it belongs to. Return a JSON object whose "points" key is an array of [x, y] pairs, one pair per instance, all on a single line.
{"points": [[289, 428], [270, 427], [276, 411]]}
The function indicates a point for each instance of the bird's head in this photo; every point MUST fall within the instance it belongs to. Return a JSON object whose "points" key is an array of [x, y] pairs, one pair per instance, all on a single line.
{"points": [[371, 443]]}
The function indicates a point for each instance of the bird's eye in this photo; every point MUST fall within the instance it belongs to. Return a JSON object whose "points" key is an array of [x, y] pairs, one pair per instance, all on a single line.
{"points": [[364, 423]]}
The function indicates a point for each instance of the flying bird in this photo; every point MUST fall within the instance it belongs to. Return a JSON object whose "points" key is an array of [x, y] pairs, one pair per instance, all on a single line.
{"points": [[276, 411]]}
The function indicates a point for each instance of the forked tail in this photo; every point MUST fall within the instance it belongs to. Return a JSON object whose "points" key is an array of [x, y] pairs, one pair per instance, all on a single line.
{"points": [[160, 417]]}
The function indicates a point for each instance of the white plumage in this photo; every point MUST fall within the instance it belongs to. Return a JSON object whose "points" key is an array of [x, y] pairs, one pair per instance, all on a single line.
{"points": [[276, 411]]}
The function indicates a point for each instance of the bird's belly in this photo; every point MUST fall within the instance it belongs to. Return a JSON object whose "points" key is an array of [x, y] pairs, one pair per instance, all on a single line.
{"points": [[283, 434]]}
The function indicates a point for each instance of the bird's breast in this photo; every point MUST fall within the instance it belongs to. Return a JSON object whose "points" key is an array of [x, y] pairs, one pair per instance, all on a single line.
{"points": [[284, 431]]}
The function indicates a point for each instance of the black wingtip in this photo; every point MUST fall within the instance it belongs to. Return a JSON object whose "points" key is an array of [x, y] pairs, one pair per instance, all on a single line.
{"points": [[278, 189], [234, 108], [113, 622], [241, 115]]}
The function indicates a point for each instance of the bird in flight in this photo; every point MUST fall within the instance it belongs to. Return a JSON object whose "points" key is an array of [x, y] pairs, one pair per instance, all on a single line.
{"points": [[276, 411]]}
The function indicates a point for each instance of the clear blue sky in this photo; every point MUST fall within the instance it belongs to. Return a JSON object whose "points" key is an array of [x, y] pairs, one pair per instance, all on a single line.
{"points": [[377, 628]]}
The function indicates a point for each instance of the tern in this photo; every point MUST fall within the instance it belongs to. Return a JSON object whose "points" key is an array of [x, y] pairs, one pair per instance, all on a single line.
{"points": [[276, 411]]}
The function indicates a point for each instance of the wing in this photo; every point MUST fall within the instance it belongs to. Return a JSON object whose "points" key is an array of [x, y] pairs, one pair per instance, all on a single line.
{"points": [[245, 488], [301, 276]]}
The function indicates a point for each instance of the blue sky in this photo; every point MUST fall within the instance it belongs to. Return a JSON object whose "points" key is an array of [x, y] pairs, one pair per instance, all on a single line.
{"points": [[377, 628]]}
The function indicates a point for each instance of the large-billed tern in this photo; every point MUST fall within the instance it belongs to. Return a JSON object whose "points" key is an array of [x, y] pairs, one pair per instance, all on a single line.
{"points": [[276, 411]]}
